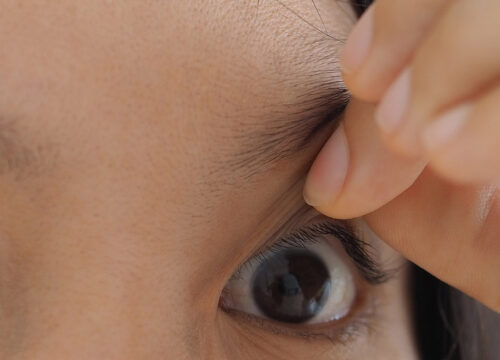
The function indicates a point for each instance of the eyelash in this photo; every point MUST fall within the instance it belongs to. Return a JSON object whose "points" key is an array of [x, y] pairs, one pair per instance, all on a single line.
{"points": [[293, 241], [364, 309], [358, 250]]}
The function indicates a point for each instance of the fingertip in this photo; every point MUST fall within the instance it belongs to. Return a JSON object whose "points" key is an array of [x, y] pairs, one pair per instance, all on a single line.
{"points": [[358, 44], [447, 127], [391, 111]]}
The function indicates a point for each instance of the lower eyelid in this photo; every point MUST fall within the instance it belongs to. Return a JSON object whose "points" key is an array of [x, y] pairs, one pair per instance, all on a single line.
{"points": [[356, 324]]}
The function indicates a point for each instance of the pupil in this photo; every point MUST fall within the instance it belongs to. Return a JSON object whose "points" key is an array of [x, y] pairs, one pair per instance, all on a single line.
{"points": [[291, 286]]}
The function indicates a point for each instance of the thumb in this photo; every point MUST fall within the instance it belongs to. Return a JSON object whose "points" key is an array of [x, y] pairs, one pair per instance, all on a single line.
{"points": [[450, 230], [354, 173]]}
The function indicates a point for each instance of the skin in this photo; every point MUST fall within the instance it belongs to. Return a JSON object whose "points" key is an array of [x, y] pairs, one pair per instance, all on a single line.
{"points": [[430, 71], [121, 217]]}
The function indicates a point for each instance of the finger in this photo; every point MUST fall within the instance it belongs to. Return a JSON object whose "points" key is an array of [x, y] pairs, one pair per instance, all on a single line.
{"points": [[355, 173], [450, 230], [383, 42], [464, 143], [457, 61]]}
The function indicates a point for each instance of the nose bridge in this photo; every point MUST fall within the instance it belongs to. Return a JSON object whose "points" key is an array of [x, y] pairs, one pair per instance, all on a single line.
{"points": [[97, 306]]}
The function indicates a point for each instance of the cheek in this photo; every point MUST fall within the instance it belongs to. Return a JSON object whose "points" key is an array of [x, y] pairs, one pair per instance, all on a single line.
{"points": [[67, 288]]}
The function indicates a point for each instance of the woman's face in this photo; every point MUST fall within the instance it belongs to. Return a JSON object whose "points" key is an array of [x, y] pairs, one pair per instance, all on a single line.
{"points": [[152, 155]]}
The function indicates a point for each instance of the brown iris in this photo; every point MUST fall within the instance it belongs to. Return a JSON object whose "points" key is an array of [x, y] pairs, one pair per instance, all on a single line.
{"points": [[291, 286]]}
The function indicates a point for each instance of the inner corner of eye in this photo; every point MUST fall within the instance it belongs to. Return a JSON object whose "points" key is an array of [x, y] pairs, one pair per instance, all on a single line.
{"points": [[294, 285]]}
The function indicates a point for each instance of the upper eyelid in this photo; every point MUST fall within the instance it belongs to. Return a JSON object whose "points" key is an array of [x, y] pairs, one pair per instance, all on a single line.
{"points": [[358, 250]]}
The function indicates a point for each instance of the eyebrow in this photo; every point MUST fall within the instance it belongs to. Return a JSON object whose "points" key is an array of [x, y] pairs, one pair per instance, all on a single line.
{"points": [[291, 129], [292, 126]]}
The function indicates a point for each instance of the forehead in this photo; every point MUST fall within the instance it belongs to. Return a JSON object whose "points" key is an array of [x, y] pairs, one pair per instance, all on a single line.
{"points": [[180, 73]]}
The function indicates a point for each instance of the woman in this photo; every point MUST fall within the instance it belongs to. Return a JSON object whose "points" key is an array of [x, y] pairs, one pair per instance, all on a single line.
{"points": [[153, 155]]}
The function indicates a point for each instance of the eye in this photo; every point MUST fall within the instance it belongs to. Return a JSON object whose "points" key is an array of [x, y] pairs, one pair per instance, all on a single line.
{"points": [[296, 283]]}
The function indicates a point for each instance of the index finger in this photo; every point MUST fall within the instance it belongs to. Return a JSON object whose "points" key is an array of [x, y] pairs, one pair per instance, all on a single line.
{"points": [[383, 41]]}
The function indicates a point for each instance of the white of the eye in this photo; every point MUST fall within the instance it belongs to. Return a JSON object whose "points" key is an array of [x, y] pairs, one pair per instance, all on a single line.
{"points": [[340, 299], [343, 288]]}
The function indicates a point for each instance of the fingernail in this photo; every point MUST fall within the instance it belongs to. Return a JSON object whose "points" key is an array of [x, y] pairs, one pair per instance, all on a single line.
{"points": [[446, 127], [393, 107], [329, 170], [358, 44]]}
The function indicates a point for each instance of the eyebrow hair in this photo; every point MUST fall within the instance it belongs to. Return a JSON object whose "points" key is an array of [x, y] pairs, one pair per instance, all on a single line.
{"points": [[292, 126]]}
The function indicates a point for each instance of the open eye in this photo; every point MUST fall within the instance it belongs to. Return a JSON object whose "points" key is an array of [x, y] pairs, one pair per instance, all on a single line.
{"points": [[293, 284]]}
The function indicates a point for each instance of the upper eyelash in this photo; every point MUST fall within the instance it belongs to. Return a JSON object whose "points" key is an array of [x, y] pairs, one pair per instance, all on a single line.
{"points": [[296, 240], [358, 250]]}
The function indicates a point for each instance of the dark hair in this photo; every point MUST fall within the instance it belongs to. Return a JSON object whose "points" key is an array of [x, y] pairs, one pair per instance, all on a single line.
{"points": [[450, 325], [360, 6]]}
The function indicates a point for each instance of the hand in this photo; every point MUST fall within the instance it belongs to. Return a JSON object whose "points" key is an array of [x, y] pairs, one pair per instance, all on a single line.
{"points": [[432, 67]]}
